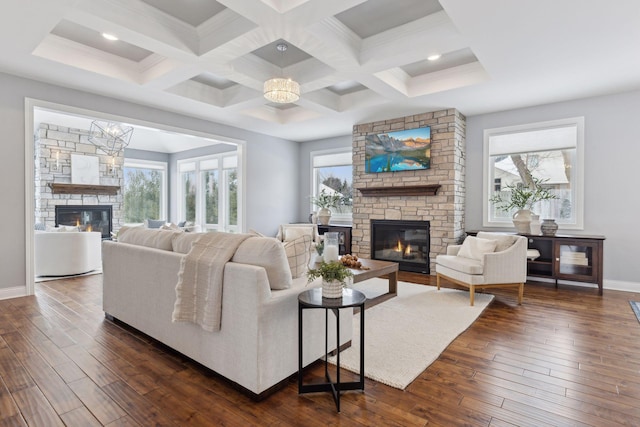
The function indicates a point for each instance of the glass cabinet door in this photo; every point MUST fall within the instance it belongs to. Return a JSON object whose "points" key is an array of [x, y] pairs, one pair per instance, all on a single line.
{"points": [[575, 260]]}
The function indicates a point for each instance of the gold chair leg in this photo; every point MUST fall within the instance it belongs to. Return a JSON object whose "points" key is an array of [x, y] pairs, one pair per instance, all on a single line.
{"points": [[472, 294], [520, 293]]}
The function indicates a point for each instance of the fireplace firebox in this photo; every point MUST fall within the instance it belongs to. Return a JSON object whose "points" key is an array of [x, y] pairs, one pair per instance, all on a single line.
{"points": [[404, 242], [87, 217]]}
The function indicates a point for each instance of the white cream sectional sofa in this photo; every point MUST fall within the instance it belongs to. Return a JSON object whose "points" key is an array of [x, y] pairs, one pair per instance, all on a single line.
{"points": [[257, 345]]}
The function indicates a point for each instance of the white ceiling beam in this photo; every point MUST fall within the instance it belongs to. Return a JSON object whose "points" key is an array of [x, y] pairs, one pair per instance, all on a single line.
{"points": [[222, 28], [451, 78], [198, 92]]}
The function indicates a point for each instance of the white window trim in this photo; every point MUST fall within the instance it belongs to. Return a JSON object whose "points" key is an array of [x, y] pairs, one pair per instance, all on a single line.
{"points": [[579, 184], [341, 218], [200, 207], [153, 164]]}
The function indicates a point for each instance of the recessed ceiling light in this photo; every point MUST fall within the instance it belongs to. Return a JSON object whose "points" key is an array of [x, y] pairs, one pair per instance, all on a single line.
{"points": [[109, 37], [434, 57]]}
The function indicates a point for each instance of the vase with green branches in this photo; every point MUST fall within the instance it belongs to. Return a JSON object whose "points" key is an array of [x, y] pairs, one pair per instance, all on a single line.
{"points": [[522, 198], [325, 201]]}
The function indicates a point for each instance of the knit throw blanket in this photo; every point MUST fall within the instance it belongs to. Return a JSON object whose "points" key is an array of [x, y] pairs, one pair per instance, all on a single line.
{"points": [[199, 289]]}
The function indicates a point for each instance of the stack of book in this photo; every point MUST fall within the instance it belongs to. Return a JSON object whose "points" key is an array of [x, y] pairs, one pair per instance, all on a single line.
{"points": [[574, 258]]}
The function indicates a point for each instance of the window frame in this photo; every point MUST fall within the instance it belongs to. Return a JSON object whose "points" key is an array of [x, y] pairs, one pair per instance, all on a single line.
{"points": [[341, 218], [488, 178], [223, 213], [164, 186]]}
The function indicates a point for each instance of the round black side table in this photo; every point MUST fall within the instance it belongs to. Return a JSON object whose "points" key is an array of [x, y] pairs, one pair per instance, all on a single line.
{"points": [[311, 299]]}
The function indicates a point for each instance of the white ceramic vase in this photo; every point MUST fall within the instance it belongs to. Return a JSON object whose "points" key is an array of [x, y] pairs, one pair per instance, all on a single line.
{"points": [[535, 225], [324, 215], [331, 289], [522, 221]]}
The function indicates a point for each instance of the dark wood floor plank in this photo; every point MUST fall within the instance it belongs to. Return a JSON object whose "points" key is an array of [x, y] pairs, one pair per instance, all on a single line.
{"points": [[9, 411], [35, 408], [80, 417], [97, 401], [137, 406]]}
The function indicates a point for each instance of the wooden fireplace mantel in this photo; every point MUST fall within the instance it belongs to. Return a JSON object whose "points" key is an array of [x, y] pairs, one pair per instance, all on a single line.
{"points": [[412, 190], [60, 188]]}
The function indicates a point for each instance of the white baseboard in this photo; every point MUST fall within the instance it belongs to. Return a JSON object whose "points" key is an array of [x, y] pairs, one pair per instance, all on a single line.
{"points": [[613, 285], [15, 292]]}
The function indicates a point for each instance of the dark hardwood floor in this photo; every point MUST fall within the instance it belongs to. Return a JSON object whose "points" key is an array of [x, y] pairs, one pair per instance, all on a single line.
{"points": [[565, 357]]}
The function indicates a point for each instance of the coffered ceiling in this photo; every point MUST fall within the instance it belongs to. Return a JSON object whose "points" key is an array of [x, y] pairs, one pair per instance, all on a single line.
{"points": [[356, 60]]}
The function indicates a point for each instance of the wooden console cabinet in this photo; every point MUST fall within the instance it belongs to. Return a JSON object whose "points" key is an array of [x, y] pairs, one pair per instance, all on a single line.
{"points": [[567, 257], [344, 236]]}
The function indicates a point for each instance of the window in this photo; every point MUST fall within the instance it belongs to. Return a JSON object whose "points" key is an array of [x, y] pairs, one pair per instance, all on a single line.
{"points": [[209, 192], [145, 191], [551, 152], [332, 171]]}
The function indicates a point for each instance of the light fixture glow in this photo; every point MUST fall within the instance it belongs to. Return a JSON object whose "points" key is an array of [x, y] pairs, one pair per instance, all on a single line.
{"points": [[282, 91], [434, 57], [109, 37], [279, 89]]}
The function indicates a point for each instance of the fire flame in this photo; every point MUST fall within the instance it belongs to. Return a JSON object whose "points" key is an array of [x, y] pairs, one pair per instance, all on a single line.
{"points": [[77, 223], [89, 228], [408, 250], [399, 247]]}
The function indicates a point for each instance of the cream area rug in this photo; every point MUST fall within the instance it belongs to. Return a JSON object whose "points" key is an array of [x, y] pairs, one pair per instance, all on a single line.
{"points": [[407, 333]]}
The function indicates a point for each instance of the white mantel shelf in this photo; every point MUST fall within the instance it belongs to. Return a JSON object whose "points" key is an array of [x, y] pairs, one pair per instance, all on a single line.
{"points": [[59, 188], [409, 190]]}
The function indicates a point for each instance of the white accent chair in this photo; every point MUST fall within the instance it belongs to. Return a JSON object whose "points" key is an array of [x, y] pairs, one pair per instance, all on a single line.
{"points": [[60, 253], [482, 267]]}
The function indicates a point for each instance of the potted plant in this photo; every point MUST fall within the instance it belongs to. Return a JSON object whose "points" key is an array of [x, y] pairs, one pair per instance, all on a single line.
{"points": [[522, 198], [325, 201], [334, 277], [319, 249]]}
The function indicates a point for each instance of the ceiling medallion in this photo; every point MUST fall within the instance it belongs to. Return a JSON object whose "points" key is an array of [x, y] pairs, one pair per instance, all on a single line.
{"points": [[281, 90]]}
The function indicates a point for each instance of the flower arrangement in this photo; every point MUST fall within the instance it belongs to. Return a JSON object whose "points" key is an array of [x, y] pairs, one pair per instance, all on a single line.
{"points": [[330, 271], [325, 200], [522, 197]]}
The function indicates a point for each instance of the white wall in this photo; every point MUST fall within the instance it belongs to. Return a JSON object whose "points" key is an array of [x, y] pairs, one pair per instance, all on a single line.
{"points": [[612, 154], [304, 163], [272, 169]]}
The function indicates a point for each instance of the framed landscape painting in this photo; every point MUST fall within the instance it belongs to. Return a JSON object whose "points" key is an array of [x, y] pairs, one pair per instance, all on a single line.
{"points": [[401, 150]]}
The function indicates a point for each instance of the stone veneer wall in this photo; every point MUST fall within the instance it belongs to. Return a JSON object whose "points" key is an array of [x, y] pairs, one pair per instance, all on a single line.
{"points": [[445, 210], [52, 140]]}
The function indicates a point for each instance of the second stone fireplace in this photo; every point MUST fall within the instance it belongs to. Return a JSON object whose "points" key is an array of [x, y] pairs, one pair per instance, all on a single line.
{"points": [[404, 242], [435, 196]]}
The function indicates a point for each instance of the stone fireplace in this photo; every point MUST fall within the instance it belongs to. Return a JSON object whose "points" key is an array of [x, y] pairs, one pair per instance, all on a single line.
{"points": [[54, 146], [435, 195]]}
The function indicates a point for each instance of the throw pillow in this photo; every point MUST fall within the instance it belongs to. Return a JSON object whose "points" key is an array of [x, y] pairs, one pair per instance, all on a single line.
{"points": [[475, 248], [154, 223], [298, 254], [268, 253], [503, 241]]}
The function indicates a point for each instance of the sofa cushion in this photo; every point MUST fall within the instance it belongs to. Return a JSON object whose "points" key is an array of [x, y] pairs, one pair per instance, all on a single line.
{"points": [[503, 241], [268, 253], [182, 242], [475, 248], [151, 238], [298, 255], [462, 264]]}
